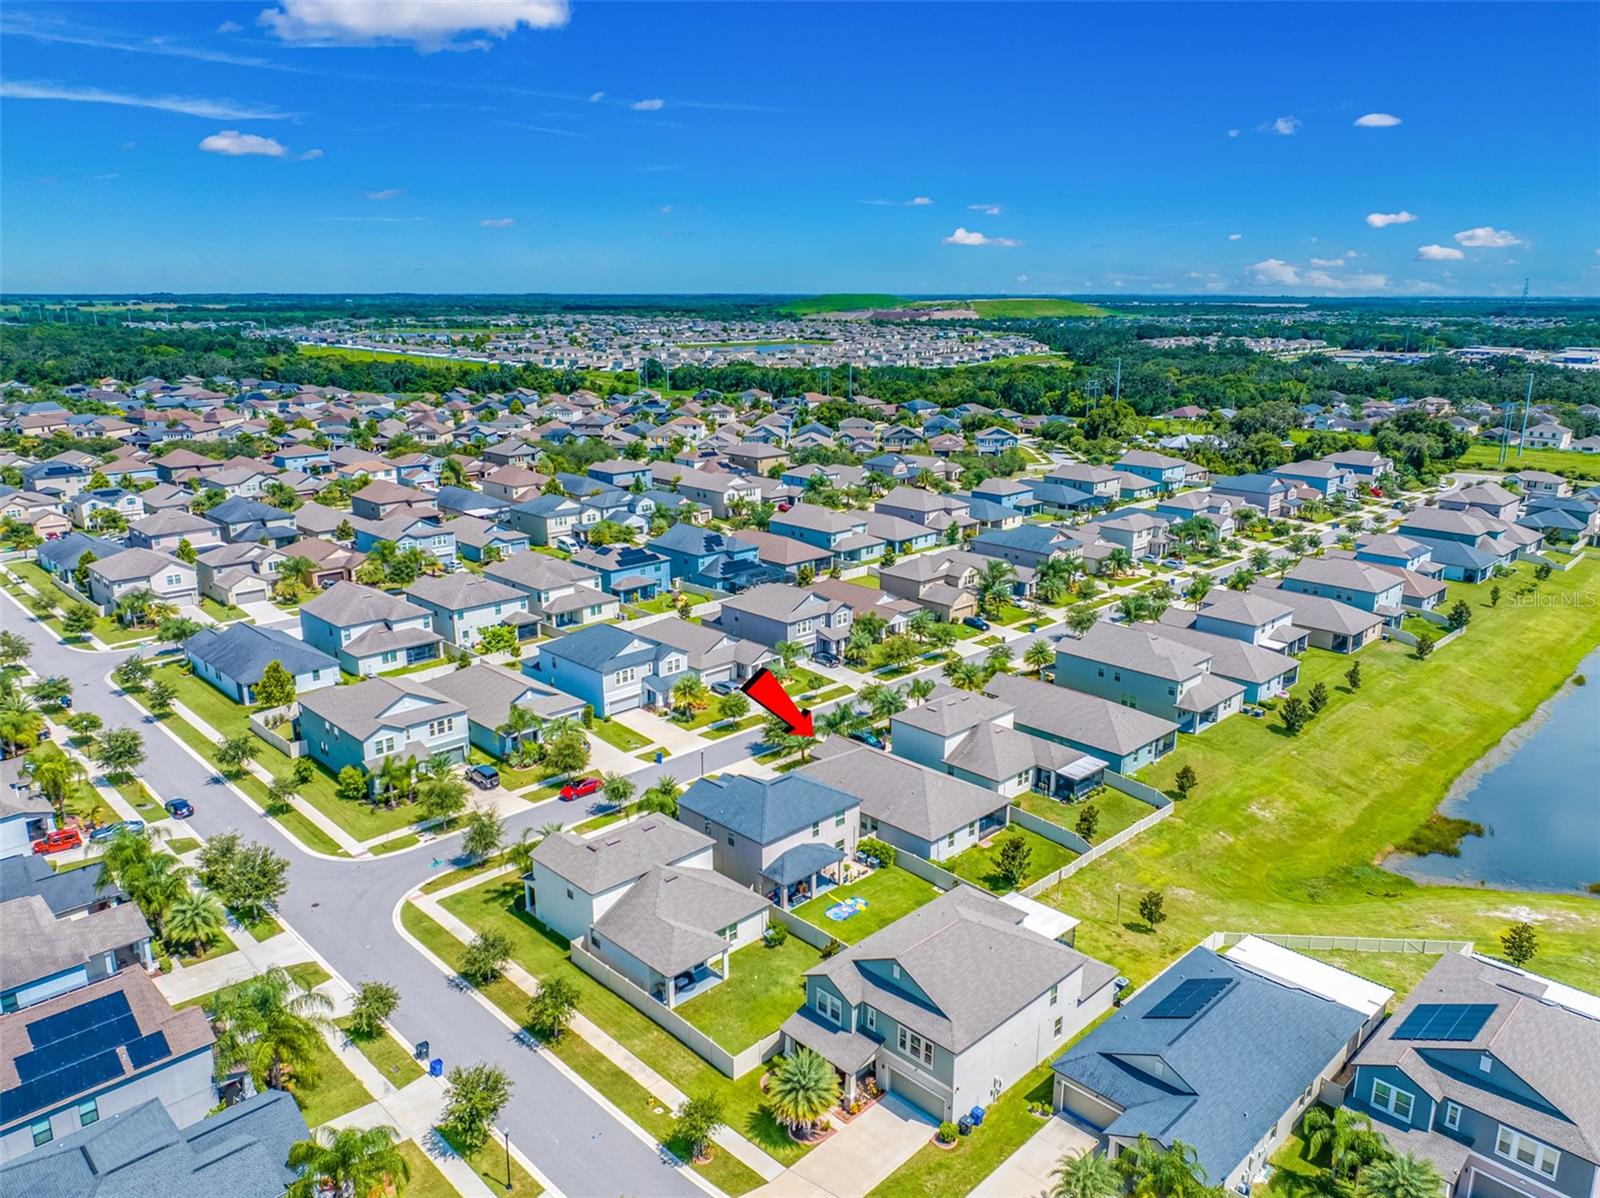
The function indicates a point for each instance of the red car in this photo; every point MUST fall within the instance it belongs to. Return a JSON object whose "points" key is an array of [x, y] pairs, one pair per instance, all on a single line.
{"points": [[580, 789], [59, 841]]}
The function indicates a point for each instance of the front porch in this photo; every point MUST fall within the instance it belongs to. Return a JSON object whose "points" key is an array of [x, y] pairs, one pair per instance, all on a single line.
{"points": [[853, 1055]]}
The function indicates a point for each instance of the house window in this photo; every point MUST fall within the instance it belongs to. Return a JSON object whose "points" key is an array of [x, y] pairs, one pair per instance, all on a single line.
{"points": [[730, 839], [627, 675], [1055, 995], [816, 828], [915, 1047], [316, 675], [838, 820], [872, 1018], [88, 1112], [1527, 1152], [1452, 1116], [384, 744], [388, 657], [41, 1133], [708, 825], [1057, 1029], [828, 1007], [1485, 1063], [174, 579], [1397, 1102], [1100, 673], [440, 727]]}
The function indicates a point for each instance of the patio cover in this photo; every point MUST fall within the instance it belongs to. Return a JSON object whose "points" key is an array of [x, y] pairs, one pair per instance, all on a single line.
{"points": [[801, 862], [632, 582], [847, 1051]]}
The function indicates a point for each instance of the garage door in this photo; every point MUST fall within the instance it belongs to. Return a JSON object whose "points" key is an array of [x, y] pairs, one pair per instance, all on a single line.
{"points": [[919, 1096], [1091, 1110]]}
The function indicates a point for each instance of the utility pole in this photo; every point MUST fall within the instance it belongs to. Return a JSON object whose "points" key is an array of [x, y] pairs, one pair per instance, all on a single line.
{"points": [[1119, 380], [1527, 403]]}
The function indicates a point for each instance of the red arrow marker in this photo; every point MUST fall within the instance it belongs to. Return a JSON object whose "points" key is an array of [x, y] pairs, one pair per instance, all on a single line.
{"points": [[768, 692]]}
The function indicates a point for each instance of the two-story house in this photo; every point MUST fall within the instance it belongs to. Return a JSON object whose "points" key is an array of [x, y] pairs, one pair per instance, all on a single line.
{"points": [[1329, 479], [1327, 623], [244, 519], [777, 612], [464, 605], [1141, 668], [371, 721], [721, 492], [948, 1006], [368, 630], [1266, 493], [166, 530], [562, 594], [703, 557], [1030, 545], [1145, 536], [1360, 584], [930, 509], [843, 534], [546, 519], [630, 573], [1166, 472], [50, 955], [165, 577], [1489, 1072], [83, 507]]}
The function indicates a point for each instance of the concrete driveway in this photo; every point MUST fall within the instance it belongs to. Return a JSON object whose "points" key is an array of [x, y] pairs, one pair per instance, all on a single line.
{"points": [[859, 1155], [1026, 1172]]}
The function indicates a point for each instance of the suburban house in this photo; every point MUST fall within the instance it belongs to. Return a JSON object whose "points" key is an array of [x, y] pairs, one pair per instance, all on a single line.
{"points": [[1141, 533], [1548, 436], [366, 724], [407, 530], [900, 536], [703, 557], [1489, 1072], [1031, 545], [626, 571], [776, 612], [1327, 623], [489, 692], [561, 593], [974, 737], [1139, 667], [238, 574], [1468, 546], [1482, 499], [545, 519], [916, 809], [234, 657], [614, 669], [477, 538], [132, 570], [943, 580], [1252, 617], [368, 630], [464, 605], [166, 530], [1220, 1053], [514, 484], [1326, 478], [1347, 580], [927, 508], [25, 816], [1166, 472], [81, 508], [50, 955], [785, 553], [721, 492], [245, 519], [1125, 739], [1364, 464], [1099, 484], [1541, 482], [994, 441], [88, 1054], [1263, 672], [1397, 552], [1199, 505], [1267, 493], [783, 837], [843, 534], [1009, 492], [948, 1006]]}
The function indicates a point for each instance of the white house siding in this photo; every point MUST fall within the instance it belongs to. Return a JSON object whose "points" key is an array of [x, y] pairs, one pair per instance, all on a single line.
{"points": [[995, 1062]]}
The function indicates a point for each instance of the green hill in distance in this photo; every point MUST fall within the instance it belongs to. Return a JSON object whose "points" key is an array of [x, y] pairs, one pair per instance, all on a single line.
{"points": [[996, 309], [843, 301]]}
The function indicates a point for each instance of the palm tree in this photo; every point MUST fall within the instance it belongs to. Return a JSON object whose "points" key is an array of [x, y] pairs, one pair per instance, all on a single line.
{"points": [[802, 1089], [965, 675], [1198, 589], [789, 652], [295, 573], [1052, 578], [1403, 1176], [195, 918], [137, 608], [921, 623], [886, 703], [519, 722], [918, 689], [1350, 1138], [1156, 1172], [273, 1025], [20, 722], [1039, 656], [994, 585], [1087, 1175], [58, 776], [841, 721], [156, 883], [662, 797], [356, 1162], [998, 659], [690, 693], [1118, 562]]}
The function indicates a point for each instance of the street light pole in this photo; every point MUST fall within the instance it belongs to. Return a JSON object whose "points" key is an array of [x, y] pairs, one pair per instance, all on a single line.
{"points": [[506, 1132]]}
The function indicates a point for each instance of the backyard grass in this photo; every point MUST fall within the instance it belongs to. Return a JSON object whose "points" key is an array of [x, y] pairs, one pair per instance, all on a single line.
{"points": [[220, 947], [1284, 834], [336, 1091], [309, 974], [1117, 811], [1400, 972], [763, 988], [978, 864], [890, 893], [650, 1113], [387, 1056], [619, 736], [544, 954]]}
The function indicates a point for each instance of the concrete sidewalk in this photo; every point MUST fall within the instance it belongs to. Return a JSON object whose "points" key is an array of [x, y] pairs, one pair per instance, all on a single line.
{"points": [[1026, 1172]]}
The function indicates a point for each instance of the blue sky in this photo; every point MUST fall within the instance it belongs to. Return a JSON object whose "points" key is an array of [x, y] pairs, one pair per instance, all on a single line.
{"points": [[533, 145]]}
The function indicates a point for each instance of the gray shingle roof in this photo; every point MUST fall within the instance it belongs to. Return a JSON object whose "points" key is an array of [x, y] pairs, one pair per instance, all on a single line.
{"points": [[920, 801], [463, 591], [538, 572], [1072, 715], [952, 711], [488, 691], [1141, 648], [359, 709], [242, 652], [348, 603], [618, 854], [135, 563], [764, 810], [39, 945], [670, 917]]}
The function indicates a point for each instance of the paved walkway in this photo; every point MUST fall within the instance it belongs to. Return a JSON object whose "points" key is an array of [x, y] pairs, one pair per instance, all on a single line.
{"points": [[1026, 1172], [604, 1043], [859, 1155], [253, 957], [671, 738]]}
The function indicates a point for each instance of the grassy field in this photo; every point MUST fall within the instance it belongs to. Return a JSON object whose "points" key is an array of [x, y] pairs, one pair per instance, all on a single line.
{"points": [[1117, 811], [839, 302], [370, 355], [1286, 834], [763, 988], [890, 893], [978, 864], [335, 1092], [1567, 462], [1033, 309]]}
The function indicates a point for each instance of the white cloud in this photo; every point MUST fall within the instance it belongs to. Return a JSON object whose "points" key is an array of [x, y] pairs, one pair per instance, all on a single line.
{"points": [[1382, 220], [1487, 237], [237, 145], [918, 202], [1377, 120], [1235, 236], [1284, 126], [230, 27], [1327, 262], [967, 237], [596, 97], [655, 105], [1233, 133], [1022, 278], [1438, 253], [425, 24], [311, 156], [665, 210], [497, 222], [1275, 270], [387, 193], [215, 110], [1321, 278], [986, 209]]}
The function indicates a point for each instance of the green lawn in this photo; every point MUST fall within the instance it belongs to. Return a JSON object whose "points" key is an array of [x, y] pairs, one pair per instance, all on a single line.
{"points": [[619, 736], [106, 629], [393, 845], [1400, 972], [182, 844], [386, 1055], [220, 947], [426, 1180], [335, 1092], [1567, 462], [1298, 1175], [1117, 811], [309, 974], [83, 800], [763, 988], [1282, 833], [139, 796], [489, 1163], [977, 864], [890, 893], [719, 731], [264, 928], [801, 680], [638, 1104]]}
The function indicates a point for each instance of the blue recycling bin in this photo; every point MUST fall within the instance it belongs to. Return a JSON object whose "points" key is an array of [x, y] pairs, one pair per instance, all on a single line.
{"points": [[660, 756], [976, 1115], [436, 1067]]}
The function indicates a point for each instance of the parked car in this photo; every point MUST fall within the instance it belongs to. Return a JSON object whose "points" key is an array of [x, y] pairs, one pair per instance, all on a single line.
{"points": [[977, 622], [830, 660], [580, 788], [107, 831], [726, 687], [868, 737], [484, 777], [59, 841], [179, 808]]}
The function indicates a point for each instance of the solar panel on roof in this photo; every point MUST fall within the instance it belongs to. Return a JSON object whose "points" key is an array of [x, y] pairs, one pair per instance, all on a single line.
{"points": [[1444, 1021], [147, 1050], [1189, 998]]}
